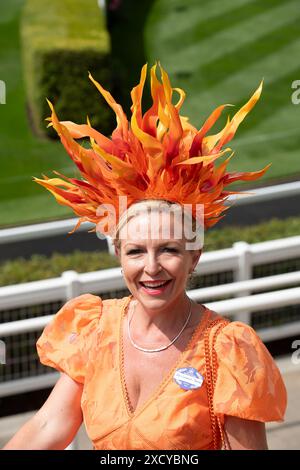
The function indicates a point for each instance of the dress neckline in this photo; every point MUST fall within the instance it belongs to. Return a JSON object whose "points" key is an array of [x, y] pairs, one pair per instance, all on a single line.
{"points": [[133, 413]]}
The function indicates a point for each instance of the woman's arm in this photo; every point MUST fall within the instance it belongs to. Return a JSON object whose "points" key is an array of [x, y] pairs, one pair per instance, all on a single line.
{"points": [[56, 423], [245, 434]]}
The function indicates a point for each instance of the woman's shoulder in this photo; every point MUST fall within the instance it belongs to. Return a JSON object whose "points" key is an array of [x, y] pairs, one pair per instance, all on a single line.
{"points": [[247, 376], [239, 332], [67, 340], [229, 328], [92, 300], [91, 306], [83, 301], [116, 304], [236, 340], [214, 320]]}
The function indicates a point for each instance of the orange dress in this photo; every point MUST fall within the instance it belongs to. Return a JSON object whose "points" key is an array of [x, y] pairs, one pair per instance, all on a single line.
{"points": [[83, 341]]}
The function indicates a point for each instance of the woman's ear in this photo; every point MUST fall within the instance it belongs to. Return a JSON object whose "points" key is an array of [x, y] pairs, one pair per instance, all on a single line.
{"points": [[117, 252], [196, 254]]}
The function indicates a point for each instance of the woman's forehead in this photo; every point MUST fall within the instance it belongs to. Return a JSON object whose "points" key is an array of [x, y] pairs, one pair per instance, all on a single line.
{"points": [[152, 243], [158, 226]]}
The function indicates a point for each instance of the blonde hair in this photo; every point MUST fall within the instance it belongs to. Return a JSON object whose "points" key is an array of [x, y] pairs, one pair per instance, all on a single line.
{"points": [[160, 205]]}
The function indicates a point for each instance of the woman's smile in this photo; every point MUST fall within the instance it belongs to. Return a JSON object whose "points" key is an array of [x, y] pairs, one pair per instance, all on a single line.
{"points": [[156, 269], [156, 288]]}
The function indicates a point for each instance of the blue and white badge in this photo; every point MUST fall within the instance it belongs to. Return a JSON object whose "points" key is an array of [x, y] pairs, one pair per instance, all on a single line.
{"points": [[188, 378]]}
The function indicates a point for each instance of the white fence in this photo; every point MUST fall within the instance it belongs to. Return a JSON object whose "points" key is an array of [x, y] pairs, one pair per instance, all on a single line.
{"points": [[240, 259], [244, 299]]}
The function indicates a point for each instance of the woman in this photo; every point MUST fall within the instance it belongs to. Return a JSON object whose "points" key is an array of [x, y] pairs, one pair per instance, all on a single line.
{"points": [[152, 370], [131, 383]]}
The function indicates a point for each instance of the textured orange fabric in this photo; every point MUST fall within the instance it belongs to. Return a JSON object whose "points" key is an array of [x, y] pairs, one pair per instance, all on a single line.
{"points": [[83, 340]]}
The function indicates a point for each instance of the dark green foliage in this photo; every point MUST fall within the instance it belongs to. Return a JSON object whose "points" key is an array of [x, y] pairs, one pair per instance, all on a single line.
{"points": [[62, 42]]}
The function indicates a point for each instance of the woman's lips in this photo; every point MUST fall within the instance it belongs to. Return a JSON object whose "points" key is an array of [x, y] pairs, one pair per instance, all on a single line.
{"points": [[155, 290]]}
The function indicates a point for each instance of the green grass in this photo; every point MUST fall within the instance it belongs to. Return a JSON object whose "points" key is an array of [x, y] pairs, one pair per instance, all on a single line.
{"points": [[218, 52], [22, 155]]}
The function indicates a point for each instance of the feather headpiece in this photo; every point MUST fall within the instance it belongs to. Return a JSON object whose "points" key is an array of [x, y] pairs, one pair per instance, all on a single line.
{"points": [[157, 155]]}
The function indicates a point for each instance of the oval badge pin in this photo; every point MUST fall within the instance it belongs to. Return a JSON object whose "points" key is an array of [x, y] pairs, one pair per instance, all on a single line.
{"points": [[188, 378]]}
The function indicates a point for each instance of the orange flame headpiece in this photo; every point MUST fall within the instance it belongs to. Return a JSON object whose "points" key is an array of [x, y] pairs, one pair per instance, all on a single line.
{"points": [[158, 155]]}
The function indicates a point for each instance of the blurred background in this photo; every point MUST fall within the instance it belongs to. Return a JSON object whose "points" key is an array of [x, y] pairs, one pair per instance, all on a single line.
{"points": [[218, 52]]}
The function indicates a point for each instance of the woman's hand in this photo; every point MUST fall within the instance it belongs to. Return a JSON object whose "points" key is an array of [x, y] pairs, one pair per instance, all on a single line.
{"points": [[245, 434], [56, 423]]}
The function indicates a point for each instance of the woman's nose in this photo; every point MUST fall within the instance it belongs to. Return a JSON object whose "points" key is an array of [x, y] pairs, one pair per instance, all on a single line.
{"points": [[152, 265]]}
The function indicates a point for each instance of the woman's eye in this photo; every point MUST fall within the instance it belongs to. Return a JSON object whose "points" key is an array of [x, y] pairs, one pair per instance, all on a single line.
{"points": [[132, 252], [137, 250]]}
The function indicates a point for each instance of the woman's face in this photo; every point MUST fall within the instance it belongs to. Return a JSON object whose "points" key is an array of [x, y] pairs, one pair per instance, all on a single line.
{"points": [[146, 258]]}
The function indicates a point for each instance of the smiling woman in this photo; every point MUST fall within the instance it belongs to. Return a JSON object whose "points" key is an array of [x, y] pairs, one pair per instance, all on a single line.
{"points": [[153, 370], [152, 241]]}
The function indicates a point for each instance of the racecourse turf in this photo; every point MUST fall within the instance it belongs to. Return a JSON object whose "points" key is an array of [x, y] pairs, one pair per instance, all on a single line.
{"points": [[217, 51]]}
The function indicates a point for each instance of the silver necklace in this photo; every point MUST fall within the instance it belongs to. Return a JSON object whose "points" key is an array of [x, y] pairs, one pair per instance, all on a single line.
{"points": [[163, 347]]}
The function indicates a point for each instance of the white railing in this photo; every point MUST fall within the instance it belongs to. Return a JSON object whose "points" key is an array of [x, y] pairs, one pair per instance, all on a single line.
{"points": [[42, 230], [233, 307], [62, 227], [269, 193], [240, 259]]}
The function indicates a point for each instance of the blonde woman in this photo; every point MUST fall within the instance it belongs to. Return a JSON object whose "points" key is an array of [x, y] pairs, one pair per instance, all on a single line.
{"points": [[154, 369]]}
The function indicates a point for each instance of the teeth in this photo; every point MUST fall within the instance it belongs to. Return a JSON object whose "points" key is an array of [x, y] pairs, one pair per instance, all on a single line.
{"points": [[154, 285]]}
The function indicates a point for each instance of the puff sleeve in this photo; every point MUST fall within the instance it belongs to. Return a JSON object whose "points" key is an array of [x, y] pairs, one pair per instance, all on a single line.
{"points": [[249, 384], [66, 341]]}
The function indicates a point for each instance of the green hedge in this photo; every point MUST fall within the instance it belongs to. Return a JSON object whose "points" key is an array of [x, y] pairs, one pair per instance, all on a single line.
{"points": [[62, 41], [41, 267], [217, 239]]}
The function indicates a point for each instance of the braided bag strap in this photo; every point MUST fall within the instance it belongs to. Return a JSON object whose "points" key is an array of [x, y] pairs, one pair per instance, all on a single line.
{"points": [[211, 370]]}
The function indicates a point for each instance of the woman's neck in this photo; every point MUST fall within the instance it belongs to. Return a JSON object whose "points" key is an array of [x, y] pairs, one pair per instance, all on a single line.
{"points": [[159, 323]]}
